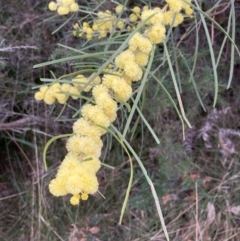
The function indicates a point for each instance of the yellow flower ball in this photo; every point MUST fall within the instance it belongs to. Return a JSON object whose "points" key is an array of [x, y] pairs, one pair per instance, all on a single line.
{"points": [[134, 41], [136, 9], [123, 58], [99, 89], [157, 33], [57, 187], [133, 17], [63, 10], [119, 8], [90, 164], [189, 11], [82, 83], [175, 5], [122, 90], [84, 145], [52, 6], [84, 196], [108, 105], [133, 71], [120, 24], [74, 7], [85, 128], [39, 96], [141, 58], [153, 15], [74, 92], [95, 114], [70, 163], [74, 184], [178, 19], [89, 183], [75, 199]]}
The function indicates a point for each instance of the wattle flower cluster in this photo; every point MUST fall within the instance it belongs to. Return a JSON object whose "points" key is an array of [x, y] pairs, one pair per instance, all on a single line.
{"points": [[62, 92], [63, 7], [159, 18], [77, 172]]}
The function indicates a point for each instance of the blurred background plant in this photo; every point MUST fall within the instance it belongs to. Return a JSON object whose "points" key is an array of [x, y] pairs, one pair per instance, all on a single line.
{"points": [[197, 180]]}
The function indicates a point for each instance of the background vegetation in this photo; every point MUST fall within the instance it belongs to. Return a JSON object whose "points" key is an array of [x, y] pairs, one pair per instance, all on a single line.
{"points": [[197, 180]]}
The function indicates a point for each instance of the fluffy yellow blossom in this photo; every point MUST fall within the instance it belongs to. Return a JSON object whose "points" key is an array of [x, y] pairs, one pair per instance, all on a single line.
{"points": [[40, 94], [73, 7], [141, 58], [122, 58], [90, 164], [175, 5], [108, 80], [99, 89], [74, 184], [133, 71], [52, 6], [136, 10], [57, 187], [74, 92], [178, 19], [95, 114], [89, 184], [121, 89], [85, 145], [83, 127], [141, 42], [188, 11], [61, 98], [133, 17], [157, 33], [154, 15], [108, 105], [168, 18], [119, 8], [82, 83], [63, 10], [84, 196], [75, 199], [120, 24], [70, 162]]}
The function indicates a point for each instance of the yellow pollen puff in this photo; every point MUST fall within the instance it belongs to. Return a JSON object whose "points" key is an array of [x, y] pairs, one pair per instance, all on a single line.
{"points": [[95, 114], [82, 83], [136, 9], [90, 164], [86, 145], [175, 5], [119, 8], [141, 58], [75, 199], [74, 7], [57, 187], [99, 89], [52, 6], [157, 33], [84, 196], [178, 19], [83, 127], [122, 58], [153, 15], [74, 92], [63, 10], [133, 17], [76, 26], [122, 91], [133, 71], [120, 24], [140, 42], [74, 184]]}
